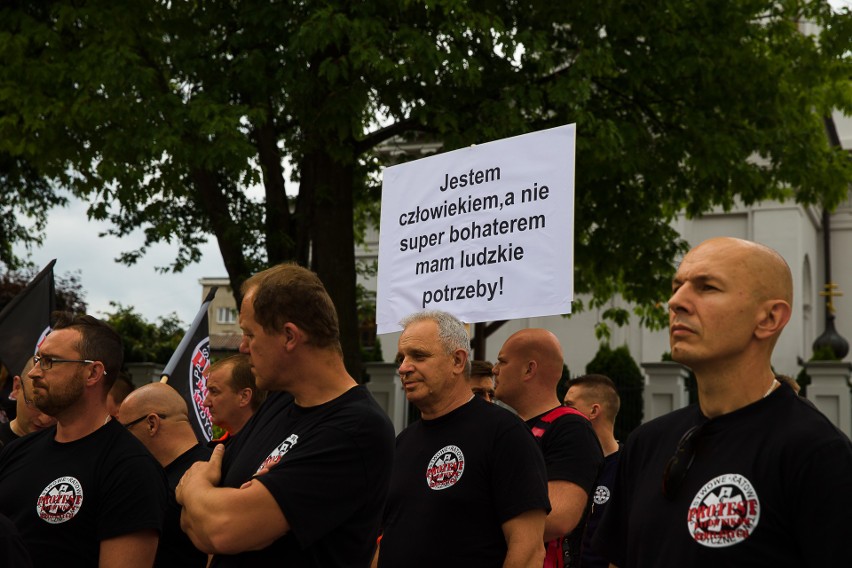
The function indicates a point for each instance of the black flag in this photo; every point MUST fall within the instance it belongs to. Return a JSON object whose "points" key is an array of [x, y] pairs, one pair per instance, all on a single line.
{"points": [[188, 368], [25, 320]]}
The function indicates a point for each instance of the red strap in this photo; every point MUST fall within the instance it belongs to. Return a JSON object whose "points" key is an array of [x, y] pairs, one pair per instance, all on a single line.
{"points": [[539, 429], [553, 554]]}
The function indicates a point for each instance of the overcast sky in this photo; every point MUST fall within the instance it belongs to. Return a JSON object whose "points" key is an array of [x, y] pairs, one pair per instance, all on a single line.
{"points": [[73, 241]]}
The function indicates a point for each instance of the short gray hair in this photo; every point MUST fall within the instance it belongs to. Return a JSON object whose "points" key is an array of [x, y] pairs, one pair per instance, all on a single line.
{"points": [[451, 331]]}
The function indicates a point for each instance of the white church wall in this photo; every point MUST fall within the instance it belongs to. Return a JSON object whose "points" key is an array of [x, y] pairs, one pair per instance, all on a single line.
{"points": [[841, 269], [788, 230]]}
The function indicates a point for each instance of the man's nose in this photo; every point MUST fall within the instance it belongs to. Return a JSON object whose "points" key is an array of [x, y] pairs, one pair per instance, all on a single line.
{"points": [[405, 367], [679, 300]]}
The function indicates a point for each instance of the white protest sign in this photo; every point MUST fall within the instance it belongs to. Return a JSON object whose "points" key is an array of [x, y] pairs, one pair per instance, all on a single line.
{"points": [[484, 233]]}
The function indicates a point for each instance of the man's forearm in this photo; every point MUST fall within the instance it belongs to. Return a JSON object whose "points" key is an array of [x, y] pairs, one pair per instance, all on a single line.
{"points": [[525, 557], [568, 503], [196, 517], [223, 520], [524, 543]]}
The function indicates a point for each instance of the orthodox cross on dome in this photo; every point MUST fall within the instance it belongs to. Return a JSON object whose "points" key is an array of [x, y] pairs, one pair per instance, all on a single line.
{"points": [[830, 293]]}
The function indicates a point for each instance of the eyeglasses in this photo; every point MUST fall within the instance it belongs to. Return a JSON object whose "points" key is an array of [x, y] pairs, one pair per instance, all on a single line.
{"points": [[133, 423], [46, 363], [487, 394], [679, 464]]}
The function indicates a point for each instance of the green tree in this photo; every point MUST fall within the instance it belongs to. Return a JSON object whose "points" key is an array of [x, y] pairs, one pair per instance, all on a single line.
{"points": [[145, 341], [25, 199], [69, 292], [172, 109]]}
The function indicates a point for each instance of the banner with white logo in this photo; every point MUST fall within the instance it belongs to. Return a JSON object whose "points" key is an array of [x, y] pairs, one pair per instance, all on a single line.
{"points": [[485, 233], [188, 369]]}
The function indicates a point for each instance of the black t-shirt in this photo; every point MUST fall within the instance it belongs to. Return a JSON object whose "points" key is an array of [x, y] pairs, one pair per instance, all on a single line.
{"points": [[571, 450], [600, 498], [6, 433], [176, 549], [13, 552], [770, 486], [329, 471], [456, 480], [67, 497], [241, 458], [572, 453]]}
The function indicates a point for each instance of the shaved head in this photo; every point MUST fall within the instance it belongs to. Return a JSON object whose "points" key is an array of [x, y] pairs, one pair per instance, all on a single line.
{"points": [[540, 345], [728, 296], [527, 371], [765, 269], [155, 397]]}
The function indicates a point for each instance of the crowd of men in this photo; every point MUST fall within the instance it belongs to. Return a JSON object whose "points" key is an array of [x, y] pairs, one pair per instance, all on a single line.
{"points": [[497, 471]]}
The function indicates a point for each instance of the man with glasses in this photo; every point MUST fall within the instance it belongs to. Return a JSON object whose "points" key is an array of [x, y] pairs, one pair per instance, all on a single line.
{"points": [[753, 475], [28, 418], [157, 415], [83, 491]]}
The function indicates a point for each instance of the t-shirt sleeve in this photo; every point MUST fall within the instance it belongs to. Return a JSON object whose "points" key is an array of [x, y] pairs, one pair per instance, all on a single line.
{"points": [[573, 453], [133, 497], [519, 476]]}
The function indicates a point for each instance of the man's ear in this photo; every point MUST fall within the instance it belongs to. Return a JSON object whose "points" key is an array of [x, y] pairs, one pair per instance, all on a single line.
{"points": [[152, 424], [594, 412], [245, 396], [16, 386], [97, 372], [774, 315], [291, 336], [531, 369], [460, 359]]}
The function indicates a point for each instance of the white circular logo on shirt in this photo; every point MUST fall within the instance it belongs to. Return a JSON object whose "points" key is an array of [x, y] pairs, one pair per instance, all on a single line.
{"points": [[445, 468], [279, 452], [60, 501], [601, 495], [724, 512]]}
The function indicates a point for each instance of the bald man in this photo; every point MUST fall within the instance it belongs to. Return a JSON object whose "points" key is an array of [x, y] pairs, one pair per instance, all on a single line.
{"points": [[752, 475], [157, 415], [526, 373], [28, 417]]}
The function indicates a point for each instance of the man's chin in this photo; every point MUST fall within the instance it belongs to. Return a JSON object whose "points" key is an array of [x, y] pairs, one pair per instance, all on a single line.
{"points": [[682, 356], [415, 394]]}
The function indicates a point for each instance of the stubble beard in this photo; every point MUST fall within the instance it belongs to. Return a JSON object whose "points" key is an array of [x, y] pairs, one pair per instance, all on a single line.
{"points": [[54, 403]]}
